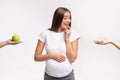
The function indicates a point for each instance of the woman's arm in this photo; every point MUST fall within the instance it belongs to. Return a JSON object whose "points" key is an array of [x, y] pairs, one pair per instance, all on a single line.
{"points": [[38, 52], [72, 50], [71, 47], [43, 57]]}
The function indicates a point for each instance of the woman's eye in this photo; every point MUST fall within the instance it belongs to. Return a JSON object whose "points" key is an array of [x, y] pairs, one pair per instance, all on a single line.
{"points": [[65, 18]]}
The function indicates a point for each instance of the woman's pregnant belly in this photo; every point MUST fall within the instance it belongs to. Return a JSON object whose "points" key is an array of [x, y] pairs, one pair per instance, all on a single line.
{"points": [[58, 69]]}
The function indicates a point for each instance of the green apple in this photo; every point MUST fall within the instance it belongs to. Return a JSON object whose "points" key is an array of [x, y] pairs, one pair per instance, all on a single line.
{"points": [[16, 38]]}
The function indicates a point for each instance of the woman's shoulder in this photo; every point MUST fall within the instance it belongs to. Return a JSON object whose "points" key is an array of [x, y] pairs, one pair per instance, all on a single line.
{"points": [[43, 34], [74, 35]]}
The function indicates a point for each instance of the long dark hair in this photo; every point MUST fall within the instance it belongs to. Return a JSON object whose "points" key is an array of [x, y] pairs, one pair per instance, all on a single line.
{"points": [[58, 17]]}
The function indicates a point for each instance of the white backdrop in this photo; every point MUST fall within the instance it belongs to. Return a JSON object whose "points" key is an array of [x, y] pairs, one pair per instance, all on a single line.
{"points": [[90, 18]]}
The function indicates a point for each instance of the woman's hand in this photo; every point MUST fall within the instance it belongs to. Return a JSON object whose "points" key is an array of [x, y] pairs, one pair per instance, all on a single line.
{"points": [[58, 57], [67, 33]]}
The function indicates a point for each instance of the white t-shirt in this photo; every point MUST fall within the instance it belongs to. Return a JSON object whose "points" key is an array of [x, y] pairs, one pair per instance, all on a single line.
{"points": [[55, 42]]}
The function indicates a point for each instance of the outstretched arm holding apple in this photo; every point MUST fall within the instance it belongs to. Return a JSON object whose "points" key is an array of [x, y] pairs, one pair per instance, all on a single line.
{"points": [[15, 40], [8, 42]]}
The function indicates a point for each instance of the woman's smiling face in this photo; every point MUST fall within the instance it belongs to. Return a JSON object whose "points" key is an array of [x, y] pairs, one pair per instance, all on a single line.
{"points": [[65, 22]]}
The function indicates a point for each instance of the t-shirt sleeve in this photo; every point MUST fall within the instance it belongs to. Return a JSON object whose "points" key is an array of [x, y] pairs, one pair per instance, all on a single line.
{"points": [[74, 36], [42, 37]]}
